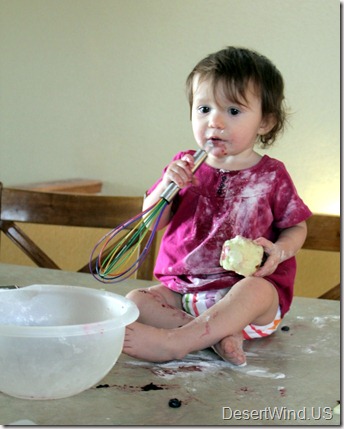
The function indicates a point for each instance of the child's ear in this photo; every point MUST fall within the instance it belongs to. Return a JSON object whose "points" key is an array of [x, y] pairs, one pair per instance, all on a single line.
{"points": [[267, 124]]}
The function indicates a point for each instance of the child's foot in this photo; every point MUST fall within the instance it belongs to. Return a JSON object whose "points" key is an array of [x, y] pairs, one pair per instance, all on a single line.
{"points": [[231, 349], [149, 343]]}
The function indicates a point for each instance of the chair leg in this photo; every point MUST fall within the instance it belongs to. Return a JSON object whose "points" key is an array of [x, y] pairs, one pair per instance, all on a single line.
{"points": [[333, 293], [18, 236]]}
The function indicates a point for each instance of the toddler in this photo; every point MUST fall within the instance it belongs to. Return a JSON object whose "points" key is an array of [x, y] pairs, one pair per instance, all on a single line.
{"points": [[236, 101]]}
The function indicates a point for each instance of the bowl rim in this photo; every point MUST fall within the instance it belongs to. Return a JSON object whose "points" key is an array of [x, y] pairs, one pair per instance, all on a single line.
{"points": [[130, 314]]}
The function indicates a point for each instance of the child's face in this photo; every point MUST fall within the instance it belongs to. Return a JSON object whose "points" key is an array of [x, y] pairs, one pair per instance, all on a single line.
{"points": [[232, 127]]}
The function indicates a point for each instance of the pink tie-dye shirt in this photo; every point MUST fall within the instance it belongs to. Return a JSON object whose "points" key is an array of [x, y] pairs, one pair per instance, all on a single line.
{"points": [[256, 202]]}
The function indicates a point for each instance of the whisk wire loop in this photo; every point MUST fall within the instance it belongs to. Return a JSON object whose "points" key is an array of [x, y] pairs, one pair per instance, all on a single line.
{"points": [[111, 260], [109, 263]]}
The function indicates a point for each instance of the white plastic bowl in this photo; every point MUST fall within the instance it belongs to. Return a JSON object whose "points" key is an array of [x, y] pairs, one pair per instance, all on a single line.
{"points": [[57, 341]]}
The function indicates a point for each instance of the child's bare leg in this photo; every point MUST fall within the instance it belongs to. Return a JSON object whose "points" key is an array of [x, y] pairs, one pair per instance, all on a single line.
{"points": [[251, 300], [159, 307]]}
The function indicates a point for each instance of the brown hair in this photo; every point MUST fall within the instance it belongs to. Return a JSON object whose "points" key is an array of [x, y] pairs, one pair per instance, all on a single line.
{"points": [[236, 68]]}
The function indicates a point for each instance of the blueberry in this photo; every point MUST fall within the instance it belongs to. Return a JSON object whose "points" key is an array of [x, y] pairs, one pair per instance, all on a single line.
{"points": [[174, 403]]}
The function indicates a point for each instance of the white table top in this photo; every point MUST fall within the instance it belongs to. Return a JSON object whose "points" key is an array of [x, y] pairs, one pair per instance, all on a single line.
{"points": [[294, 375]]}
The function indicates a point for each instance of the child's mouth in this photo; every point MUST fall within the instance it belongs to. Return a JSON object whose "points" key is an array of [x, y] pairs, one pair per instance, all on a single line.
{"points": [[215, 140]]}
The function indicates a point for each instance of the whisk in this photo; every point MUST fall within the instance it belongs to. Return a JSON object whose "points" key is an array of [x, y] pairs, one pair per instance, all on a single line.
{"points": [[113, 263]]}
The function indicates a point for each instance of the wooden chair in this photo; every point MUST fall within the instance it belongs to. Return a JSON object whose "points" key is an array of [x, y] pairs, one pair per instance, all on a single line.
{"points": [[324, 234], [66, 209]]}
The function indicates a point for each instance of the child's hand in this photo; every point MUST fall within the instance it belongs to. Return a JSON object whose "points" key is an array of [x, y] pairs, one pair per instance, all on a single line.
{"points": [[273, 260], [180, 172]]}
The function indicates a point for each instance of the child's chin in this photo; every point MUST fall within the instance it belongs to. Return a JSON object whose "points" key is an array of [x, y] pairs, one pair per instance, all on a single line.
{"points": [[219, 152]]}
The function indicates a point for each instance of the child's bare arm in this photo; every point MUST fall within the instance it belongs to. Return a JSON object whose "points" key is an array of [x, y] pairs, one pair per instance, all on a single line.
{"points": [[288, 244]]}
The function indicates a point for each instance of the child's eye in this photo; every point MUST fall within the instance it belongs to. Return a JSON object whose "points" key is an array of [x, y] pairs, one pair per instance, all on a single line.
{"points": [[203, 109], [233, 111]]}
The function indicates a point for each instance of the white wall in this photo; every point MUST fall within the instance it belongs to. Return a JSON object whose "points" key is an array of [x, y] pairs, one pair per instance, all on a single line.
{"points": [[95, 88]]}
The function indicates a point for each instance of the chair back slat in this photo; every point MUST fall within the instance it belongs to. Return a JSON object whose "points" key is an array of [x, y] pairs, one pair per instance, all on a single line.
{"points": [[52, 208], [66, 209]]}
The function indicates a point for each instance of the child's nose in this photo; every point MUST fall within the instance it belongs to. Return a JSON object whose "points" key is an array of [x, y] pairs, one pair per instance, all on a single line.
{"points": [[216, 120]]}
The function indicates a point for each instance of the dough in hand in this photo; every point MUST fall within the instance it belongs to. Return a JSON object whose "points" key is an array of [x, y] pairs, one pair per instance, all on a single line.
{"points": [[241, 255]]}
